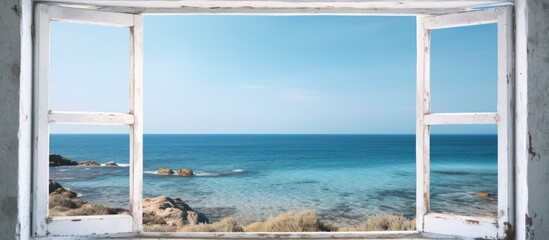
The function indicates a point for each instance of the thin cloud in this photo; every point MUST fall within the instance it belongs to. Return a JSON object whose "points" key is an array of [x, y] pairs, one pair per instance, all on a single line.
{"points": [[252, 86], [303, 95]]}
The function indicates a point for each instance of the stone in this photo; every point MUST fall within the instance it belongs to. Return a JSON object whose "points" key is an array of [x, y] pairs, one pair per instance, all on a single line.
{"points": [[57, 160], [89, 163], [164, 171], [53, 186], [185, 172], [56, 189], [484, 194], [172, 212], [111, 164]]}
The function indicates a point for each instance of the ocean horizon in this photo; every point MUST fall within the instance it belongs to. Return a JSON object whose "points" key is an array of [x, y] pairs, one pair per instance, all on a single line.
{"points": [[344, 178]]}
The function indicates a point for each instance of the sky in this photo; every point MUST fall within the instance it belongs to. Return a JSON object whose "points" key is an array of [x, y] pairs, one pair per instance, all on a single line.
{"points": [[273, 74]]}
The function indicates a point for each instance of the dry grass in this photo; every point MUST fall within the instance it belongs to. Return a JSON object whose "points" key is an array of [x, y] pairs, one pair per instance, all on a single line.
{"points": [[62, 206], [60, 201], [384, 223], [304, 221], [225, 225]]}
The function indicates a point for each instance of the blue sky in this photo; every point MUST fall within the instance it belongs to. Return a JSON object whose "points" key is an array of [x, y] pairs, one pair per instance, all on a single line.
{"points": [[267, 74]]}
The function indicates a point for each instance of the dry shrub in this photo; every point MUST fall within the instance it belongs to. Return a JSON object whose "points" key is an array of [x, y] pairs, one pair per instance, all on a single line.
{"points": [[384, 223], [225, 225], [159, 228], [90, 209], [58, 211], [60, 201], [304, 221]]}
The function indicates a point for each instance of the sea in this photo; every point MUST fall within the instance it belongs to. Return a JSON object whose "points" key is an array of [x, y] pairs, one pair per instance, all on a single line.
{"points": [[345, 179]]}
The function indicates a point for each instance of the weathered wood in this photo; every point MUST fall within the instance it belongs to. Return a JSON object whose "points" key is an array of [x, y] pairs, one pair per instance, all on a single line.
{"points": [[86, 16], [423, 107], [281, 235], [42, 224], [40, 118], [136, 130], [96, 118], [505, 108], [385, 7], [474, 227], [492, 228], [89, 225], [461, 118]]}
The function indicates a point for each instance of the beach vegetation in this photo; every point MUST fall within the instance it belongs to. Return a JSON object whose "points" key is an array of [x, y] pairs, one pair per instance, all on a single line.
{"points": [[384, 223], [304, 221], [225, 225]]}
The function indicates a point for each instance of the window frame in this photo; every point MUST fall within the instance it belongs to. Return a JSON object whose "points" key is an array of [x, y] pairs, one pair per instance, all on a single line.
{"points": [[469, 226], [42, 224], [429, 225]]}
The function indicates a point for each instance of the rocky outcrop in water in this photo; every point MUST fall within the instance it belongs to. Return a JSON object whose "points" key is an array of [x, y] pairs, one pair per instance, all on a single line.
{"points": [[172, 212], [90, 163], [185, 172], [57, 160], [164, 171], [484, 194]]}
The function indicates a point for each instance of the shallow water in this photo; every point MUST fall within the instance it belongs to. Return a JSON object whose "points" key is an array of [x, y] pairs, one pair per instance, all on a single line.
{"points": [[344, 178]]}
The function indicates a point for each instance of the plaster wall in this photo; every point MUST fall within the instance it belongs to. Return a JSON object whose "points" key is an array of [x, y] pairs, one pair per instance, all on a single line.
{"points": [[537, 216], [15, 106]]}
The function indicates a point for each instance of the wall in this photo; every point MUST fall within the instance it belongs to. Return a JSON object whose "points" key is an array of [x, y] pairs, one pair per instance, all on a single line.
{"points": [[537, 216], [15, 106]]}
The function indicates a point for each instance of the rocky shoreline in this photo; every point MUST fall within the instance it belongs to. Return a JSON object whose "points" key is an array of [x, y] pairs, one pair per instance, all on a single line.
{"points": [[57, 160]]}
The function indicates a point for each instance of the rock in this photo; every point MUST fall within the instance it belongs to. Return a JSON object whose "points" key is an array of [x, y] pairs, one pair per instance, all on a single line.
{"points": [[89, 163], [56, 189], [57, 160], [164, 171], [173, 212], [484, 194], [111, 164], [54, 185], [185, 172]]}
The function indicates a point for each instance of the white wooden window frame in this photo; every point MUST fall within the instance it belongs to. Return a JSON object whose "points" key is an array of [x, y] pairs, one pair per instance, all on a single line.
{"points": [[469, 226], [429, 225], [42, 224]]}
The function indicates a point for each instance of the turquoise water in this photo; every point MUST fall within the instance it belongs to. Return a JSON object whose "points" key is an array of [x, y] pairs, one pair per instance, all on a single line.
{"points": [[344, 178]]}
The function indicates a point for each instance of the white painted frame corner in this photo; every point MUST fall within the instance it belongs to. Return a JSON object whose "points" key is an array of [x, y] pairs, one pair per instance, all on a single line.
{"points": [[464, 225], [42, 224]]}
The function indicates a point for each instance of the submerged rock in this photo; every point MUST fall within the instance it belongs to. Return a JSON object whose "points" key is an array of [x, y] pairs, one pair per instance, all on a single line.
{"points": [[185, 172], [89, 163], [484, 194], [111, 164], [172, 212], [164, 171], [57, 160]]}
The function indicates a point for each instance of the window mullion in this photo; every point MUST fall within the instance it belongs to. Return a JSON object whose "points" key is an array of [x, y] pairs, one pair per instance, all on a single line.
{"points": [[423, 107], [136, 129]]}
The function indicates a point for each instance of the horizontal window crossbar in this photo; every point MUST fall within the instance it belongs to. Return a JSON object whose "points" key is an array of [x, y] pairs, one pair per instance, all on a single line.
{"points": [[89, 225], [460, 118], [87, 16], [98, 118], [461, 225]]}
